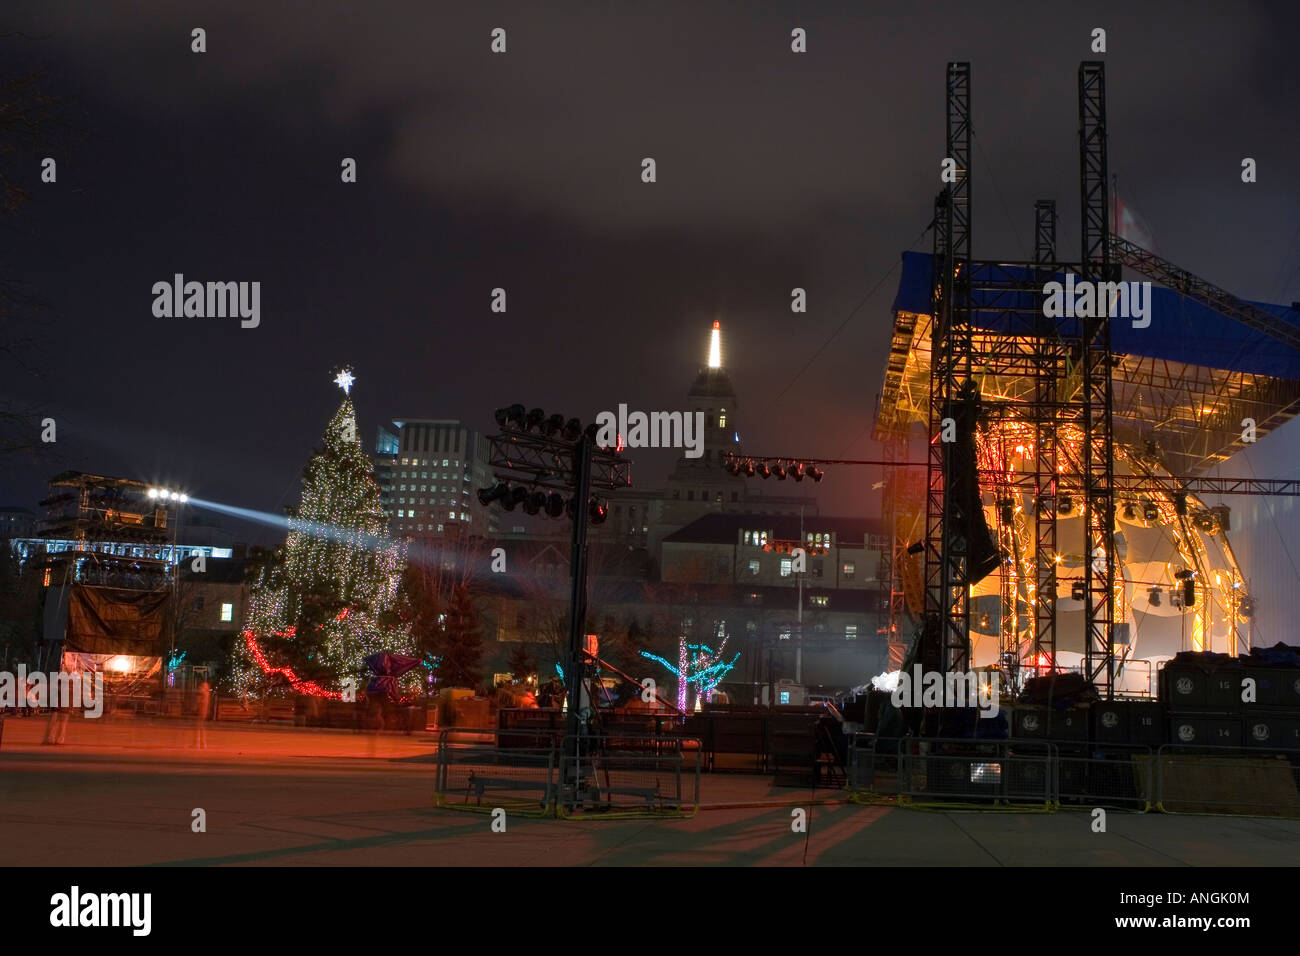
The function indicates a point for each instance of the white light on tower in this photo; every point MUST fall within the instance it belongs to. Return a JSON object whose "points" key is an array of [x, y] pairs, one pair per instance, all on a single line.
{"points": [[715, 346], [344, 380]]}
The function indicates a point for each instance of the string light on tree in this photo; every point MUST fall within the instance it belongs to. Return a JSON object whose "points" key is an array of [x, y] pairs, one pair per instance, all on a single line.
{"points": [[329, 598]]}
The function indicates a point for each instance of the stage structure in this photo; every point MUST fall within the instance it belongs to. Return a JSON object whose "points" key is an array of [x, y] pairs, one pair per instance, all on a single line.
{"points": [[1065, 456]]}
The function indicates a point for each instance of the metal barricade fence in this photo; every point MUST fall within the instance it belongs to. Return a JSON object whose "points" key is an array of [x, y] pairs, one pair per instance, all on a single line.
{"points": [[1229, 780], [624, 776], [873, 767], [533, 773], [477, 772], [980, 773], [1115, 776]]}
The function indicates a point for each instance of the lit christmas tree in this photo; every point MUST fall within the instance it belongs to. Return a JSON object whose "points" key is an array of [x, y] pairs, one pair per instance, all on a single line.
{"points": [[329, 599]]}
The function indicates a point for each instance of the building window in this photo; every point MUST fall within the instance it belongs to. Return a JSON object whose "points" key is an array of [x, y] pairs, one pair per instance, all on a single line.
{"points": [[227, 612], [820, 600], [849, 568], [722, 418], [755, 566], [785, 567], [756, 539], [850, 632], [785, 634]]}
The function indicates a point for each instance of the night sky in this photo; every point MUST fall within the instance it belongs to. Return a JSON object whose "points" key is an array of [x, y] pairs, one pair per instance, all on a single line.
{"points": [[522, 171]]}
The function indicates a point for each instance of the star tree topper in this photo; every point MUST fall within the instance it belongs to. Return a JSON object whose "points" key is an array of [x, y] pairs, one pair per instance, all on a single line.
{"points": [[344, 380]]}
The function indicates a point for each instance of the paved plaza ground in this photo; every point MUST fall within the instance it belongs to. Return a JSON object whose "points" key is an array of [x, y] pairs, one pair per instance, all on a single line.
{"points": [[123, 792]]}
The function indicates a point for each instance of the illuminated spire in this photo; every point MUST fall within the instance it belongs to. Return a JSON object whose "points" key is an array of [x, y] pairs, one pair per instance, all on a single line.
{"points": [[715, 346]]}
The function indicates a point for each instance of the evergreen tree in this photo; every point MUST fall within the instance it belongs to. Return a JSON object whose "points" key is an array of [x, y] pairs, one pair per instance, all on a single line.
{"points": [[462, 643], [328, 599]]}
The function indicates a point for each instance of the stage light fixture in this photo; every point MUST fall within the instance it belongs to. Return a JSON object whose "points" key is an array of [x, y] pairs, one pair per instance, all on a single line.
{"points": [[916, 547], [779, 470], [554, 505], [749, 469], [1180, 503], [764, 471], [816, 474], [153, 492], [733, 466], [1064, 505], [1247, 607], [797, 472], [501, 415], [534, 420], [571, 508], [1129, 513], [984, 622], [534, 502], [591, 431], [572, 430], [598, 511], [552, 425], [513, 497], [1153, 596], [1078, 591], [1008, 511], [516, 415], [1150, 512], [488, 495]]}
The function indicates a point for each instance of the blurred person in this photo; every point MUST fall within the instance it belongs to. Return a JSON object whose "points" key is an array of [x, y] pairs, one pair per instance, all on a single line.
{"points": [[203, 702]]}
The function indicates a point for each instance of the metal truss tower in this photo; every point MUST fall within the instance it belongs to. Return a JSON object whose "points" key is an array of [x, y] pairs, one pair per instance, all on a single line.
{"points": [[947, 548], [1098, 448]]}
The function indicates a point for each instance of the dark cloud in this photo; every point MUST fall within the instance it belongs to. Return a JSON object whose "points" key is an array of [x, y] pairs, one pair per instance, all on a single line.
{"points": [[522, 171]]}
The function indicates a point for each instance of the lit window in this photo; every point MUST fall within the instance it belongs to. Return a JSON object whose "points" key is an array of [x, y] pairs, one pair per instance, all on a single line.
{"points": [[451, 515], [849, 568], [785, 634], [821, 600], [401, 512], [722, 418], [227, 612], [785, 697], [754, 566], [850, 632], [785, 567]]}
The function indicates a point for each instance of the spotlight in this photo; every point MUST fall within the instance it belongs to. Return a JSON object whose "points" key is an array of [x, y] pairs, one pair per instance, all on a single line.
{"points": [[1189, 593], [153, 492], [984, 622], [1180, 503], [513, 497], [534, 502], [733, 466], [552, 425], [779, 470], [572, 430], [1205, 521], [514, 415], [764, 472], [1129, 513], [1153, 596], [1077, 591], [554, 505], [597, 509], [1008, 510], [1150, 513], [796, 472], [591, 431], [816, 474], [916, 548], [1065, 505], [1247, 607], [534, 420], [184, 498], [749, 469]]}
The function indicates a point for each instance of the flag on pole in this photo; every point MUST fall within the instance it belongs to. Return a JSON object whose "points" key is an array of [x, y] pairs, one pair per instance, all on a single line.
{"points": [[1127, 224]]}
